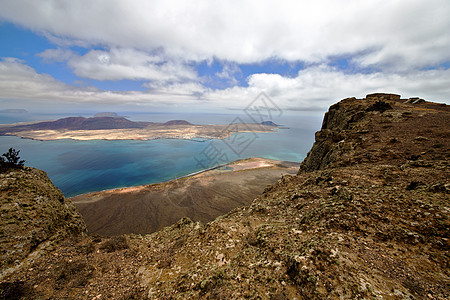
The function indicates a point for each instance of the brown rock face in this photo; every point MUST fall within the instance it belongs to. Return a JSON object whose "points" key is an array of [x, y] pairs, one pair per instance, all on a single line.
{"points": [[363, 130], [33, 212], [383, 96]]}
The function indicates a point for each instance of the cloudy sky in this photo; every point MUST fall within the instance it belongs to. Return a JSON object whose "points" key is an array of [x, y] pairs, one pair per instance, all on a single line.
{"points": [[132, 55]]}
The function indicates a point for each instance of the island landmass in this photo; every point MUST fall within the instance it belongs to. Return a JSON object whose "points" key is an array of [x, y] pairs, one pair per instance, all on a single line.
{"points": [[119, 128]]}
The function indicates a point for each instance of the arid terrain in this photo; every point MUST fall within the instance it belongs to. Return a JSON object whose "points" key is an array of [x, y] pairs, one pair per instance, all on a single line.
{"points": [[119, 128], [366, 217], [201, 197]]}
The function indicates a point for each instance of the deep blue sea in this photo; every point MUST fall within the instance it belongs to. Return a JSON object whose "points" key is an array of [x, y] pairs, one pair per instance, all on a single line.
{"points": [[78, 167]]}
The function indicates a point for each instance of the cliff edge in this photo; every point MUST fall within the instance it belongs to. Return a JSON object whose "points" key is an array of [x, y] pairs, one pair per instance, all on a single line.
{"points": [[377, 129]]}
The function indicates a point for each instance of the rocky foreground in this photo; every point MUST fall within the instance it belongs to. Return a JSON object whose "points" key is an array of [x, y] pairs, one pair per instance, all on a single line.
{"points": [[367, 216]]}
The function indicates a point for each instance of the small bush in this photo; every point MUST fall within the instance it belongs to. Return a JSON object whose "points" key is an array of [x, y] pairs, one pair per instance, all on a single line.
{"points": [[115, 243], [87, 248], [11, 160], [75, 274]]}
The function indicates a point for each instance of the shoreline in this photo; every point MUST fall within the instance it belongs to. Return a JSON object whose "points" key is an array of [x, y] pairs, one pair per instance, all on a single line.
{"points": [[191, 175], [182, 132], [198, 139], [201, 196], [195, 139]]}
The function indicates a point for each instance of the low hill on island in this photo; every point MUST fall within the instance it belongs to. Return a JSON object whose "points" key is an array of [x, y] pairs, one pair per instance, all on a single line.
{"points": [[366, 217], [106, 114], [177, 122], [80, 123], [269, 123]]}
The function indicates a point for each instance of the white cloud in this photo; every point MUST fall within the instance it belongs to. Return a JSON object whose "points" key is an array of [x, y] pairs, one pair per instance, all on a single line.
{"points": [[313, 88], [401, 34], [57, 55], [121, 63], [229, 73], [18, 80], [43, 92], [160, 41], [321, 86]]}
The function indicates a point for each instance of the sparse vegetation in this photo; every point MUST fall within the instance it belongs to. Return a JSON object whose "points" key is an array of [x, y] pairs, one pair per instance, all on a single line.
{"points": [[115, 243], [12, 290], [75, 273]]}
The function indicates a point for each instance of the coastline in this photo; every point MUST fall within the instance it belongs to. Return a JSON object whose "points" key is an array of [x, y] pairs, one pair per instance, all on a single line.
{"points": [[189, 132], [150, 184], [117, 159], [190, 175], [201, 196]]}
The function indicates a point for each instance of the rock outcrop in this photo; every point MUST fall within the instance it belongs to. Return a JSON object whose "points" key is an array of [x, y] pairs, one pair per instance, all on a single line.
{"points": [[34, 214], [375, 129]]}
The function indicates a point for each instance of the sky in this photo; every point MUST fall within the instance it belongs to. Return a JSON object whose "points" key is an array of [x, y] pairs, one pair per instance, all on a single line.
{"points": [[217, 56]]}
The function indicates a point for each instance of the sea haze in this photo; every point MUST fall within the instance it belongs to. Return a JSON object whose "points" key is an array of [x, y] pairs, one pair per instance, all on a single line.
{"points": [[78, 167]]}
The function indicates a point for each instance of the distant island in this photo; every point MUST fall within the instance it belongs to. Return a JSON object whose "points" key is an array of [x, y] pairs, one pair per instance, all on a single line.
{"points": [[13, 111], [269, 123], [110, 126]]}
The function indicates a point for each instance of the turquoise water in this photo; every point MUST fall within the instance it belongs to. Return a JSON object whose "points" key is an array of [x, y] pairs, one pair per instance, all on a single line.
{"points": [[78, 167]]}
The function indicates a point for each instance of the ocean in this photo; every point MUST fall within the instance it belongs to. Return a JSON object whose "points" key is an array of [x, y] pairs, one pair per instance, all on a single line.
{"points": [[78, 167]]}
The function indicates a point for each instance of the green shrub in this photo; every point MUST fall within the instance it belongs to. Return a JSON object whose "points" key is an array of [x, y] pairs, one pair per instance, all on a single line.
{"points": [[11, 160]]}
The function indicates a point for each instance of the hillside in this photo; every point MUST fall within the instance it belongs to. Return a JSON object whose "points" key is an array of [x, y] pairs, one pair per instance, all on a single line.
{"points": [[366, 217]]}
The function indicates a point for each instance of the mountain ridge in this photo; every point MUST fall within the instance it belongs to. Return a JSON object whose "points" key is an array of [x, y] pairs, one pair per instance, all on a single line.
{"points": [[82, 123]]}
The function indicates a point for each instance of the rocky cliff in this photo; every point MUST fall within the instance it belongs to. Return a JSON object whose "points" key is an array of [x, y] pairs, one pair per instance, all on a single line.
{"points": [[34, 214], [366, 217], [380, 128]]}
